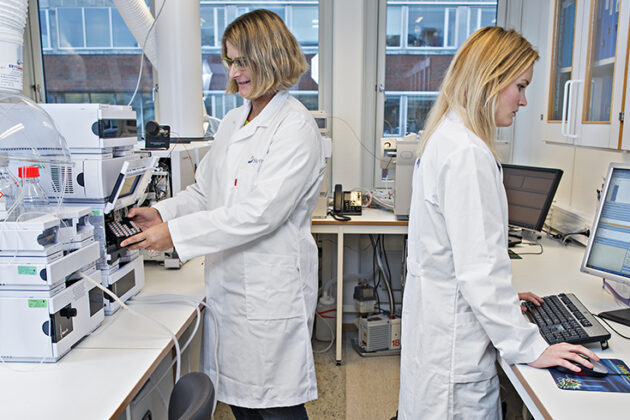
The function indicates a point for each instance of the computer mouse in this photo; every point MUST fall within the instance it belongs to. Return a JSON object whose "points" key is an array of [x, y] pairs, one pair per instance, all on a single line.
{"points": [[598, 369]]}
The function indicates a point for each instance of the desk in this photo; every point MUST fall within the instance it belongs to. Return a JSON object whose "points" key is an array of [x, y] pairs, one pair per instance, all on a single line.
{"points": [[558, 270], [100, 376], [372, 221]]}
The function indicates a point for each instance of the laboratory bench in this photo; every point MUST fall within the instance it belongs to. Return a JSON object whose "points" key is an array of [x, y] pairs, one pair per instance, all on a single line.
{"points": [[371, 221], [103, 373], [555, 271]]}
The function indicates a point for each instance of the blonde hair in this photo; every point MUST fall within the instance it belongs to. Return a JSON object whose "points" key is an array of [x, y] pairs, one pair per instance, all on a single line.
{"points": [[273, 54], [488, 61]]}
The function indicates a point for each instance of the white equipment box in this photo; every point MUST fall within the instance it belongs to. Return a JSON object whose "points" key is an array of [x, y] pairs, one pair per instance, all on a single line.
{"points": [[43, 325], [406, 151], [44, 273], [46, 306], [93, 128], [378, 332], [36, 237]]}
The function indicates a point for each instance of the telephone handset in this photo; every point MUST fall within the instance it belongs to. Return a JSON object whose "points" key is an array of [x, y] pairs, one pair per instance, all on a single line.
{"points": [[346, 202], [338, 202]]}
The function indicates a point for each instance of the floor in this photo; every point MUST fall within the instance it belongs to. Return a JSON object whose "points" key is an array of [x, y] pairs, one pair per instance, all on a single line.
{"points": [[361, 388], [366, 388]]}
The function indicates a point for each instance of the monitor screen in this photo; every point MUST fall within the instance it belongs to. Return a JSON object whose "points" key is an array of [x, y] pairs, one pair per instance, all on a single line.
{"points": [[129, 185], [530, 191], [608, 252]]}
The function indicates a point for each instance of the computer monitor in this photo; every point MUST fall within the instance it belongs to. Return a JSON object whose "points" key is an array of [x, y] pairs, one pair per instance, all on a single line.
{"points": [[608, 251], [530, 191]]}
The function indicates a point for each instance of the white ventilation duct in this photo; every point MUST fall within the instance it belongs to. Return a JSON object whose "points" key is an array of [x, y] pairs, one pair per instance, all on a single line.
{"points": [[179, 73], [139, 20], [177, 57], [12, 23]]}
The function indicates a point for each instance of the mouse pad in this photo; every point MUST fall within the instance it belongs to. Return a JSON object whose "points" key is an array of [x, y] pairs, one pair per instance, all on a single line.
{"points": [[610, 383], [513, 255]]}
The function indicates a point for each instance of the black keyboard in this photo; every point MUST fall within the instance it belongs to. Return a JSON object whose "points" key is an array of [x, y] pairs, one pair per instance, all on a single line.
{"points": [[563, 318]]}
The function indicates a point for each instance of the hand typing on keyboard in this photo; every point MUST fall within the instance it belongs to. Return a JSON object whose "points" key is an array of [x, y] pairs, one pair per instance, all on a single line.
{"points": [[529, 297], [563, 318]]}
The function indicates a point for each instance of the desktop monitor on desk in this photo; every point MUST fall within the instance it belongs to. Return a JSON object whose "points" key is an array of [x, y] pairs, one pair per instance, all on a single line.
{"points": [[608, 251], [530, 191]]}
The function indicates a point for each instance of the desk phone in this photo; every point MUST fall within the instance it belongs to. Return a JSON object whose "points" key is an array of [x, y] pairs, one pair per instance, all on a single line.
{"points": [[122, 230]]}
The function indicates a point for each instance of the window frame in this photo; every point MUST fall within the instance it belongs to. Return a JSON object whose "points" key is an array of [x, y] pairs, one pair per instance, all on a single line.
{"points": [[375, 77], [34, 51]]}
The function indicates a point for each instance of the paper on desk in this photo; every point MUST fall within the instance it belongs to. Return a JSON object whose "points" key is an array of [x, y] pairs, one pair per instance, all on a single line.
{"points": [[610, 383]]}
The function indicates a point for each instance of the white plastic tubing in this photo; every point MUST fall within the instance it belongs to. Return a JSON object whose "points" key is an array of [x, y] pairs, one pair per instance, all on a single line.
{"points": [[12, 23], [138, 18]]}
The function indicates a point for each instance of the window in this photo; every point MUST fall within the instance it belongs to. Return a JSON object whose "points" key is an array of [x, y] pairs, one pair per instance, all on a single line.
{"points": [[421, 38], [122, 37], [97, 27], [306, 25], [45, 31], [70, 21], [426, 27], [209, 25], [394, 26], [89, 54]]}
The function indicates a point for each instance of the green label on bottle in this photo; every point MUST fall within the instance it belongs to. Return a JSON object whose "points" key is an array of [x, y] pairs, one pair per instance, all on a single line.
{"points": [[37, 303], [27, 270], [96, 213]]}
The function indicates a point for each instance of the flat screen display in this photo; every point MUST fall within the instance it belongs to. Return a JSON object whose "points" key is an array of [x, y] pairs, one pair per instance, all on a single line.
{"points": [[129, 186], [609, 247], [530, 191]]}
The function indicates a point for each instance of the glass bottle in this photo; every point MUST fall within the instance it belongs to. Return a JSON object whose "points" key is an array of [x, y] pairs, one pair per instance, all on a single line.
{"points": [[35, 199]]}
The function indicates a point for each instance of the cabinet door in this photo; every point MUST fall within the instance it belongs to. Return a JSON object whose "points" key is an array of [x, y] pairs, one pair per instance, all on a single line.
{"points": [[587, 70], [562, 63], [624, 34], [604, 68]]}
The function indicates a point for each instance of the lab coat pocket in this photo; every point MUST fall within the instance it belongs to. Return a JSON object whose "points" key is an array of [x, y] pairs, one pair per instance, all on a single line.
{"points": [[473, 353], [413, 268], [272, 287], [413, 287], [247, 178]]}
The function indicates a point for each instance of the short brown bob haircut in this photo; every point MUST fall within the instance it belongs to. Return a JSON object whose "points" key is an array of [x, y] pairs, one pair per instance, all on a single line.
{"points": [[273, 54]]}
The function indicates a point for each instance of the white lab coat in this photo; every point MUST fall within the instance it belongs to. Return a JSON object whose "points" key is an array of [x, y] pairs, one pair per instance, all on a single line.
{"points": [[249, 213], [459, 305]]}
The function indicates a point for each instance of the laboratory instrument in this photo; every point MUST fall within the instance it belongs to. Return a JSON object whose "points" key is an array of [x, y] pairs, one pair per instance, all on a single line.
{"points": [[109, 177], [45, 305]]}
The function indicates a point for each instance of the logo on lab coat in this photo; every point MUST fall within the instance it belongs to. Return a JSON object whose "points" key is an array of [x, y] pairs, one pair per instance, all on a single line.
{"points": [[253, 159]]}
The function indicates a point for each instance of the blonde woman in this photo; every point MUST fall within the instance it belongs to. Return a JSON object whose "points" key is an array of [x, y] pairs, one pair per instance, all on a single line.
{"points": [[249, 214], [459, 306]]}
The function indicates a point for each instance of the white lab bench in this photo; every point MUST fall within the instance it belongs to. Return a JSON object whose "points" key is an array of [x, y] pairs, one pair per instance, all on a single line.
{"points": [[100, 376], [557, 270], [371, 221]]}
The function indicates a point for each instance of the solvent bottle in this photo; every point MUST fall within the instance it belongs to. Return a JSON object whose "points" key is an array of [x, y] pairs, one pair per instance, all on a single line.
{"points": [[35, 201]]}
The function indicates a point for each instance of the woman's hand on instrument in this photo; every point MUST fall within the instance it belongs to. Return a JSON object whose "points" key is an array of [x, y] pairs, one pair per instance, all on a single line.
{"points": [[144, 217], [155, 238]]}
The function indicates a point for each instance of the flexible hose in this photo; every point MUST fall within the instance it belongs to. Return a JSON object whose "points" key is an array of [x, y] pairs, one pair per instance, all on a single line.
{"points": [[386, 279], [139, 315]]}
